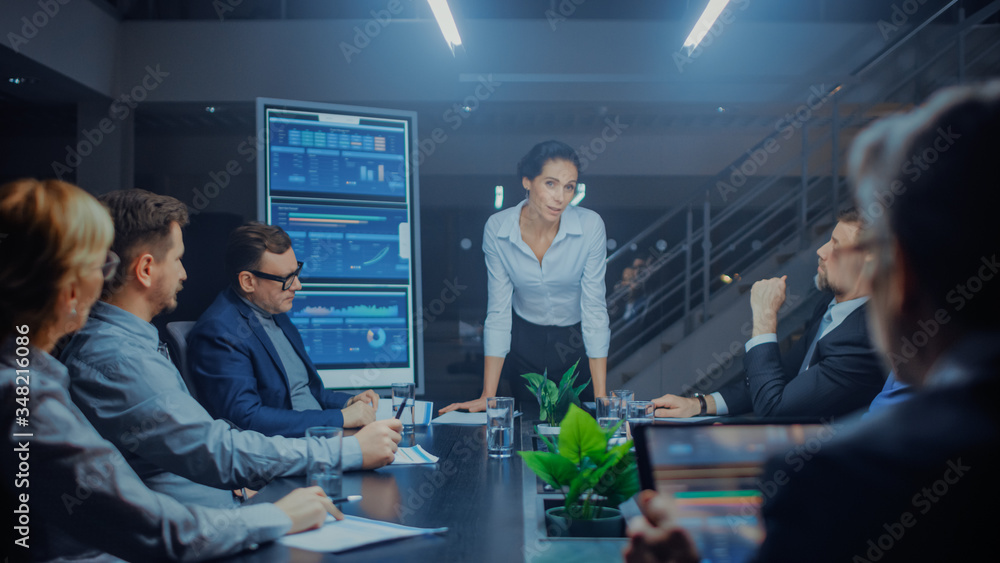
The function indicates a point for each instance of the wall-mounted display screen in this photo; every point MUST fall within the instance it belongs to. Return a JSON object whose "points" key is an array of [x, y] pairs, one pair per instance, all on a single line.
{"points": [[340, 181]]}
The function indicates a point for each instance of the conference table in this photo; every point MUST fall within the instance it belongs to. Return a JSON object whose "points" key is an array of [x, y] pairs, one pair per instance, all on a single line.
{"points": [[493, 508]]}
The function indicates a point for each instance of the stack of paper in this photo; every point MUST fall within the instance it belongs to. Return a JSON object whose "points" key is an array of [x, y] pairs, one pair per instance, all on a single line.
{"points": [[353, 532], [413, 456]]}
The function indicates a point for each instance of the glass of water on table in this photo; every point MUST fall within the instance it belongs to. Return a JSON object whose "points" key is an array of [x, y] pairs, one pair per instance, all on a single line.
{"points": [[500, 426], [608, 409], [323, 464]]}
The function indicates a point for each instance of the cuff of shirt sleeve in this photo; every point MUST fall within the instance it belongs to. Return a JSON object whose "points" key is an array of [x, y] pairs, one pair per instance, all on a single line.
{"points": [[496, 343], [720, 404], [350, 454], [597, 345], [265, 522], [761, 339]]}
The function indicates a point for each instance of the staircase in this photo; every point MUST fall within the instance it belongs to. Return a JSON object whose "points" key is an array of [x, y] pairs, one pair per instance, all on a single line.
{"points": [[681, 325]]}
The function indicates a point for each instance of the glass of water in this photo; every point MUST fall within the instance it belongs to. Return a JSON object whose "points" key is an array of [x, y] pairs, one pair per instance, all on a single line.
{"points": [[402, 391], [623, 396], [639, 411], [323, 464], [608, 409], [500, 426]]}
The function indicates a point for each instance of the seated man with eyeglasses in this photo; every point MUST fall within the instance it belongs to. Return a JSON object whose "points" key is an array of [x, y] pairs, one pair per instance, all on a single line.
{"points": [[247, 359]]}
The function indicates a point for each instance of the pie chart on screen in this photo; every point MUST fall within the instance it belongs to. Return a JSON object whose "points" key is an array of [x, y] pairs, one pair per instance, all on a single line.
{"points": [[376, 337]]}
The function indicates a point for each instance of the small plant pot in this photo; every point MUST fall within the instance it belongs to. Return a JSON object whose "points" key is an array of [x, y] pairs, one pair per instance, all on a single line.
{"points": [[609, 524], [547, 430]]}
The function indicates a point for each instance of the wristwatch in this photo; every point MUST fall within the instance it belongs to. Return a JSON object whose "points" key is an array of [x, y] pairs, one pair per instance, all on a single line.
{"points": [[703, 402]]}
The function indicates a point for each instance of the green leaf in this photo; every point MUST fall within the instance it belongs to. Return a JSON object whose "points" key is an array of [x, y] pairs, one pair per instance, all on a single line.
{"points": [[580, 485], [550, 467], [620, 482], [580, 436], [534, 381], [567, 379], [549, 444]]}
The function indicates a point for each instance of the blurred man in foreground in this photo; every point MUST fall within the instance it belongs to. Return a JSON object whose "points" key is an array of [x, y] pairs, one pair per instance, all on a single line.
{"points": [[903, 485]]}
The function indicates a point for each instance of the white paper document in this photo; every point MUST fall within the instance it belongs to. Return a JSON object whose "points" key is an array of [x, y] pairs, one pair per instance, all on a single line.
{"points": [[415, 455], [353, 532], [469, 418], [422, 411]]}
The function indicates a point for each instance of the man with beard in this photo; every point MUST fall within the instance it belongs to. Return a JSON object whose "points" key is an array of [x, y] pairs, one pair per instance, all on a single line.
{"points": [[832, 370], [125, 384], [915, 482]]}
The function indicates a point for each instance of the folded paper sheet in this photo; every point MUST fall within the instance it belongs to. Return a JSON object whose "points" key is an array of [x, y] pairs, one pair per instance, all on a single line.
{"points": [[353, 532]]}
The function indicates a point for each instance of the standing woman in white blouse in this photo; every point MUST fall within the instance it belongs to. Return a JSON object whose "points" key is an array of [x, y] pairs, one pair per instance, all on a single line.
{"points": [[546, 263]]}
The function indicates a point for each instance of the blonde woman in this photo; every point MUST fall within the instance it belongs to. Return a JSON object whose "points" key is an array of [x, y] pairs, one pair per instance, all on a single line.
{"points": [[67, 487]]}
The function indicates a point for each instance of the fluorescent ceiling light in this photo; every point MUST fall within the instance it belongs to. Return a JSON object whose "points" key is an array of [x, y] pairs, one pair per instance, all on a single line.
{"points": [[581, 192], [704, 23], [446, 22], [498, 198]]}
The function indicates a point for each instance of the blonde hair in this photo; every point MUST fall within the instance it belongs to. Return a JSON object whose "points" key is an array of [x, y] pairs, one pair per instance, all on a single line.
{"points": [[52, 231]]}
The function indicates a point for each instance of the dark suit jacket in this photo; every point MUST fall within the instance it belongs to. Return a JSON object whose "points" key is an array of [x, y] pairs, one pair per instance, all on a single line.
{"points": [[239, 376], [844, 376], [914, 482]]}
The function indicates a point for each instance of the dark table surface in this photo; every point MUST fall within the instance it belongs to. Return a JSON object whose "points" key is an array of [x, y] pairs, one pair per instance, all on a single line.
{"points": [[491, 507]]}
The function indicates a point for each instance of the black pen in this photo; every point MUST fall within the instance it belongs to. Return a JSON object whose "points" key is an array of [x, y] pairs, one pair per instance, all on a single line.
{"points": [[348, 498], [402, 405]]}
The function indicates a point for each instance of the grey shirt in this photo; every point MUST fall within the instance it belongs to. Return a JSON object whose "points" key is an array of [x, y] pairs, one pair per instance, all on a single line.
{"points": [[81, 492], [298, 377], [135, 397]]}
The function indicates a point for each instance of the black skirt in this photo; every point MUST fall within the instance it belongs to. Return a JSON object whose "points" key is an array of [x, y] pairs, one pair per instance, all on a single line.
{"points": [[535, 349]]}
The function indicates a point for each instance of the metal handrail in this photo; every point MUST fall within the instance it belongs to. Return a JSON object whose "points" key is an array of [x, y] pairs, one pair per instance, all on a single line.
{"points": [[806, 208]]}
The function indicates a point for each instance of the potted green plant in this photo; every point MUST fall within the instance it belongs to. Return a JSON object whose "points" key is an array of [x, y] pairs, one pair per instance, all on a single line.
{"points": [[593, 477], [554, 400]]}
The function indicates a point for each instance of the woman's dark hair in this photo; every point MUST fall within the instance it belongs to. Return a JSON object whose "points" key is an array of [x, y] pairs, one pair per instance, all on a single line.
{"points": [[532, 163]]}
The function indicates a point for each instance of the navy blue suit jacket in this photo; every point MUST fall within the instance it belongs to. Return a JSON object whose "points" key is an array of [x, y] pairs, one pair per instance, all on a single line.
{"points": [[915, 482], [239, 376], [844, 375]]}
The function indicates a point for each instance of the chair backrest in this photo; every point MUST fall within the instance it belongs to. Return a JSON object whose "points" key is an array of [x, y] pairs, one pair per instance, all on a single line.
{"points": [[176, 337]]}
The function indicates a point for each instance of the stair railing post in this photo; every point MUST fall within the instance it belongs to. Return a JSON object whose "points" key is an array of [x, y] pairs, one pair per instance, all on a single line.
{"points": [[803, 200], [835, 159], [688, 242], [961, 46], [706, 246]]}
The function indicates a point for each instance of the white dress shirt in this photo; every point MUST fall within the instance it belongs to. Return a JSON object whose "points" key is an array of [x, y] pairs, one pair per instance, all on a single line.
{"points": [[566, 288]]}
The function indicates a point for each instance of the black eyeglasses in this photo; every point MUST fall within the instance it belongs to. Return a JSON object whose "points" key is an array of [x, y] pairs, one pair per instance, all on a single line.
{"points": [[286, 282]]}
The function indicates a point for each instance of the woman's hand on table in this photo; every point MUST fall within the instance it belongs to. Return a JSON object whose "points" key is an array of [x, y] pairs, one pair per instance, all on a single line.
{"points": [[478, 405]]}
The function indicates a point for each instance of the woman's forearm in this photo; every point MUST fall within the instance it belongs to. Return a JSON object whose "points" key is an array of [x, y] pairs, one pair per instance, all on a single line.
{"points": [[599, 375], [491, 376]]}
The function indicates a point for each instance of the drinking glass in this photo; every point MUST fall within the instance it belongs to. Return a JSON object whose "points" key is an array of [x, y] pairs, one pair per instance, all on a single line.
{"points": [[399, 392], [500, 426], [325, 470], [608, 409]]}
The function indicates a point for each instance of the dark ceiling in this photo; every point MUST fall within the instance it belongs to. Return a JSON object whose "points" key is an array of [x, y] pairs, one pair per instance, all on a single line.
{"points": [[662, 10]]}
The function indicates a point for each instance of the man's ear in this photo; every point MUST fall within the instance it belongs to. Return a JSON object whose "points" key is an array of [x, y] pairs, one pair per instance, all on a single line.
{"points": [[247, 282], [143, 269]]}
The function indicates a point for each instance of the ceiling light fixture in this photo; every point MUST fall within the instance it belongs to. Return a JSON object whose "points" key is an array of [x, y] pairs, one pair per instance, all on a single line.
{"points": [[704, 23], [498, 198], [442, 13]]}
